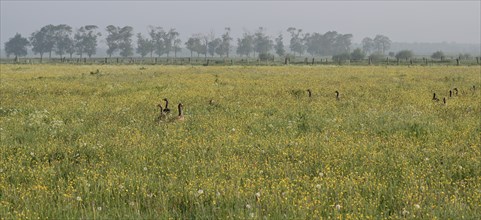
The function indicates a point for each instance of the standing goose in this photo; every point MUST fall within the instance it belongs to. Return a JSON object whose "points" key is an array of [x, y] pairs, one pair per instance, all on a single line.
{"points": [[337, 95], [455, 91], [450, 93], [166, 109], [309, 92], [435, 98], [180, 117], [162, 115]]}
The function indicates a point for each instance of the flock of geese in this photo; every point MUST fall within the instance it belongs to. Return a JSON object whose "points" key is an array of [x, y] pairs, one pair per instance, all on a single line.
{"points": [[164, 115], [453, 92]]}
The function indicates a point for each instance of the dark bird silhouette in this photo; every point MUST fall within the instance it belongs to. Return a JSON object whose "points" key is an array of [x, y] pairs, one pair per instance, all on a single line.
{"points": [[337, 95], [450, 93], [435, 98], [166, 109], [162, 115], [180, 117], [455, 91], [309, 92], [444, 100]]}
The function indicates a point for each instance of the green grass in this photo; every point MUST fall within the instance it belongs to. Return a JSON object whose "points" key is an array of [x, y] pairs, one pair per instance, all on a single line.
{"points": [[82, 145]]}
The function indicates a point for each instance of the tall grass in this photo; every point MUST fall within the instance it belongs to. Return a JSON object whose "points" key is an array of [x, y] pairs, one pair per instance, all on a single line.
{"points": [[77, 143]]}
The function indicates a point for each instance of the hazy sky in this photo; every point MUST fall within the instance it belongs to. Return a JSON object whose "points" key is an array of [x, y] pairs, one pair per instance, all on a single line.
{"points": [[402, 21]]}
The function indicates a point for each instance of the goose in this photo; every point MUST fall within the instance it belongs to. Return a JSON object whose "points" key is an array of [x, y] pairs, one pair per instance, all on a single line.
{"points": [[435, 98], [180, 117], [309, 92], [162, 115], [337, 95], [450, 93], [455, 91], [166, 109], [444, 100]]}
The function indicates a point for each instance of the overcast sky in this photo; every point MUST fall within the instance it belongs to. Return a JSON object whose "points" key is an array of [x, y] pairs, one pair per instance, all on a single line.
{"points": [[402, 21]]}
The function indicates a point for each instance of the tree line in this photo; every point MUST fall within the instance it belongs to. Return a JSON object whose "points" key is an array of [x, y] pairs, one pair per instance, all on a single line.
{"points": [[63, 40]]}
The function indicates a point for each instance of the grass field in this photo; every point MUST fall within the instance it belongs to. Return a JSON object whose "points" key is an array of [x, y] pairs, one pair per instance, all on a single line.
{"points": [[76, 144]]}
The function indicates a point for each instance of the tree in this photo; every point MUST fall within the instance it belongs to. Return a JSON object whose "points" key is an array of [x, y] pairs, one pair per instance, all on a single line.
{"points": [[144, 46], [404, 54], [113, 35], [202, 45], [279, 47], [17, 46], [177, 48], [438, 55], [191, 44], [169, 39], [342, 44], [225, 44], [213, 46], [70, 49], [245, 45], [262, 42], [367, 45], [42, 41], [157, 35], [382, 43], [314, 43], [357, 54], [125, 41], [296, 43], [63, 40], [85, 40]]}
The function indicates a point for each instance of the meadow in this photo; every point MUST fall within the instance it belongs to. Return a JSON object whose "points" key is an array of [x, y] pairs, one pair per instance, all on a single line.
{"points": [[77, 143]]}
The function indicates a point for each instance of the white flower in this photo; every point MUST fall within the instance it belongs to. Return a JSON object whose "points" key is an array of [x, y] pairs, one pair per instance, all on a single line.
{"points": [[32, 154], [248, 206], [338, 207], [79, 198], [233, 129], [99, 208], [405, 212], [417, 206], [200, 192], [318, 186], [252, 215], [131, 203], [321, 174], [150, 195], [258, 195], [145, 168]]}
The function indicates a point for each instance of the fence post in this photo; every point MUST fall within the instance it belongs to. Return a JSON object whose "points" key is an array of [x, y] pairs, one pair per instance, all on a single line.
{"points": [[457, 61], [312, 63], [477, 60]]}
